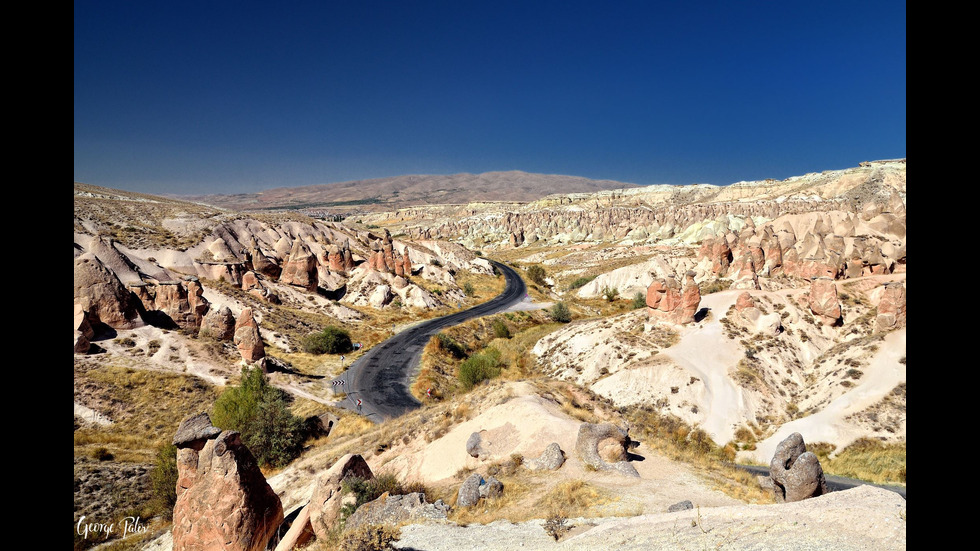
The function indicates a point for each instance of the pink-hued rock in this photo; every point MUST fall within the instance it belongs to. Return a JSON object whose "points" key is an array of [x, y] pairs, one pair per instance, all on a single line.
{"points": [[339, 258], [101, 294], [668, 300], [823, 301], [745, 274], [247, 337], [259, 262], [744, 301], [83, 330], [719, 253], [173, 302], [223, 500], [403, 265], [299, 269], [891, 308]]}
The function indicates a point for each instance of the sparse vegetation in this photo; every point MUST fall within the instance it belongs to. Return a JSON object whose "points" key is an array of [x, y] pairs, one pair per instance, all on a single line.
{"points": [[536, 274], [610, 293], [373, 537], [164, 480], [479, 368], [639, 301], [579, 282], [500, 330]]}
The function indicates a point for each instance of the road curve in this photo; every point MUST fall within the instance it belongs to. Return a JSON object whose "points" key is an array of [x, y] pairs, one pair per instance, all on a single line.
{"points": [[380, 378]]}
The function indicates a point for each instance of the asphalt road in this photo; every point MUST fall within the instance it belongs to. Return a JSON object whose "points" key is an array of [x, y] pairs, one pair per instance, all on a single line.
{"points": [[380, 378]]}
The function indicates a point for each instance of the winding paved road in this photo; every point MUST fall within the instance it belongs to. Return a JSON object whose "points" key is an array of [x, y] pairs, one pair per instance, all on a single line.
{"points": [[380, 378]]}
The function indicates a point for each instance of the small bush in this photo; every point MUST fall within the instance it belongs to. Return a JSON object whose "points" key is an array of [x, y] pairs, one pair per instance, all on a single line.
{"points": [[469, 289], [500, 330], [536, 274], [450, 345], [639, 301], [560, 313], [102, 454], [579, 282], [610, 293], [163, 477], [557, 525], [436, 263], [332, 340], [479, 368]]}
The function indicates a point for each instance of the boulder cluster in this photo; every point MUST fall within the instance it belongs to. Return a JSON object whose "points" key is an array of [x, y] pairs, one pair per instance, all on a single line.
{"points": [[672, 301]]}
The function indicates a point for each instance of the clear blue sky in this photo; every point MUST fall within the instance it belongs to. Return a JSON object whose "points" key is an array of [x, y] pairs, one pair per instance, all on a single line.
{"points": [[214, 96]]}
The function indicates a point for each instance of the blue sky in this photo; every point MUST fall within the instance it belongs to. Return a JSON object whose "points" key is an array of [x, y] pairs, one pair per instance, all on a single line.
{"points": [[227, 97]]}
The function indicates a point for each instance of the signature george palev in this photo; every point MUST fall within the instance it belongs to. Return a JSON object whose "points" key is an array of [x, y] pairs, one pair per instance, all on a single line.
{"points": [[129, 525]]}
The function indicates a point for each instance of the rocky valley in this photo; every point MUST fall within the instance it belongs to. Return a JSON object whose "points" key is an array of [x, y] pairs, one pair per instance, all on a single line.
{"points": [[667, 334]]}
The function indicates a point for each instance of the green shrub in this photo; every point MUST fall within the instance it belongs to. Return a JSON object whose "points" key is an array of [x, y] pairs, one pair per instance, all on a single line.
{"points": [[560, 313], [332, 340], [610, 293], [260, 412], [639, 301], [500, 330], [449, 344], [479, 368], [580, 282], [469, 289], [536, 274], [163, 478]]}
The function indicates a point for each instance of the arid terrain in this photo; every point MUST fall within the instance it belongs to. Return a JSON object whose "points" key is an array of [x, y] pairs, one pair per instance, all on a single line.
{"points": [[688, 327]]}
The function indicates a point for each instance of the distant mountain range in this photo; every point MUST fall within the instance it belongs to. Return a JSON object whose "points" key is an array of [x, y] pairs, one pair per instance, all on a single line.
{"points": [[403, 191]]}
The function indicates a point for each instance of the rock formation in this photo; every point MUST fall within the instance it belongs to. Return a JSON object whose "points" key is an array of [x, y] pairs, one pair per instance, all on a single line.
{"points": [[326, 501], [258, 262], [102, 295], [83, 330], [247, 337], [823, 301], [475, 488], [171, 304], [891, 308], [300, 269], [218, 324], [796, 473], [551, 459], [223, 500], [591, 437], [473, 448], [339, 259], [394, 510], [667, 300]]}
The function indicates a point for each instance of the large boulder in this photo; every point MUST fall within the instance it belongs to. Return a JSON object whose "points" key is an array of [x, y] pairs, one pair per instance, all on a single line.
{"points": [[247, 337], [475, 488], [100, 293], [223, 500], [326, 501], [394, 510], [796, 473], [552, 458], [592, 436]]}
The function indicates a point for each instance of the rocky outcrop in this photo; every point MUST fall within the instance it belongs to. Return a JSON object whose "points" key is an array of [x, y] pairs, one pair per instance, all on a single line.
{"points": [[247, 337], [223, 500], [172, 304], [394, 510], [473, 448], [218, 324], [326, 501], [257, 261], [796, 473], [891, 308], [551, 459], [339, 258], [300, 268], [100, 293], [591, 437], [476, 487], [667, 300], [823, 301]]}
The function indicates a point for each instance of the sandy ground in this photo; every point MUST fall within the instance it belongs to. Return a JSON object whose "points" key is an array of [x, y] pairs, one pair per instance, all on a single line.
{"points": [[704, 350], [829, 425]]}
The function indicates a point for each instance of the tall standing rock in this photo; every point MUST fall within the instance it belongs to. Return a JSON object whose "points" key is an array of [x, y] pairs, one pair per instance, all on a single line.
{"points": [[223, 500], [218, 324], [326, 501], [247, 337], [823, 301], [690, 301], [891, 308], [796, 473], [300, 269]]}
